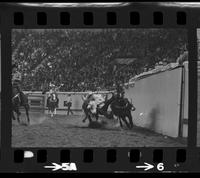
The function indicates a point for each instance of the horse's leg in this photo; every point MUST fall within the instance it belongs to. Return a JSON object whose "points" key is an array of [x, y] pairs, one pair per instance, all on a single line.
{"points": [[104, 113], [130, 120], [16, 110], [18, 118], [111, 116], [51, 112], [27, 113], [97, 116], [124, 119], [55, 111], [89, 117], [18, 114], [86, 116], [120, 121]]}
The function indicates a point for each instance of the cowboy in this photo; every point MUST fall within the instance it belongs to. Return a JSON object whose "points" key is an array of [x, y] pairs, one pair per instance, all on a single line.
{"points": [[120, 90], [92, 105], [52, 89], [16, 79]]}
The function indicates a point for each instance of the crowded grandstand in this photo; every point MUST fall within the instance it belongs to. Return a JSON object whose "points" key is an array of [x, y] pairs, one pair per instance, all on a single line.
{"points": [[92, 59]]}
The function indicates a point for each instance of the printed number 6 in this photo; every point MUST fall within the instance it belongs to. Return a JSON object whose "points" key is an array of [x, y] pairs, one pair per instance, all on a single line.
{"points": [[160, 166]]}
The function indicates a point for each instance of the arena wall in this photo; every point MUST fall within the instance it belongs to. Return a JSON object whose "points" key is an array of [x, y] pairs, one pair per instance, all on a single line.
{"points": [[76, 102], [185, 102], [38, 101], [157, 99]]}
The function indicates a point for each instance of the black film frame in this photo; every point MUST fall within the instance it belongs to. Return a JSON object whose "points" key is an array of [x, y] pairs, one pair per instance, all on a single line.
{"points": [[99, 164]]}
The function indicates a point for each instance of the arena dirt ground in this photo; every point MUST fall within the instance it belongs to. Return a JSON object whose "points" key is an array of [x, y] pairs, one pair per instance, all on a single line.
{"points": [[70, 131]]}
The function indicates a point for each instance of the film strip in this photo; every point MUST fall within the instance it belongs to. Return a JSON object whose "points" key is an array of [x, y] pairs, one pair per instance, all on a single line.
{"points": [[140, 59]]}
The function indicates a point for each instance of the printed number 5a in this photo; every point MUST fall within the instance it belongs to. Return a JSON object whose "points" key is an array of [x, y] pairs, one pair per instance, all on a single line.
{"points": [[160, 167]]}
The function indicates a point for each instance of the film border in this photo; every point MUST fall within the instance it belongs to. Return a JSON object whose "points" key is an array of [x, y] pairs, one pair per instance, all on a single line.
{"points": [[146, 21]]}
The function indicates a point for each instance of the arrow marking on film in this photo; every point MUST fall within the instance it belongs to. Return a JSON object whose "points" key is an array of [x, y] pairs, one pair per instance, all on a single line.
{"points": [[55, 167], [147, 166]]}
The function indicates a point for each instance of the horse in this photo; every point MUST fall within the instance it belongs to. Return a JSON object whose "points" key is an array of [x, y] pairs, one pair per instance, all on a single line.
{"points": [[52, 104], [19, 99], [122, 108]]}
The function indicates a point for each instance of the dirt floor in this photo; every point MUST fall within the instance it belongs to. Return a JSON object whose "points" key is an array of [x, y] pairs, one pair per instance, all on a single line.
{"points": [[70, 131]]}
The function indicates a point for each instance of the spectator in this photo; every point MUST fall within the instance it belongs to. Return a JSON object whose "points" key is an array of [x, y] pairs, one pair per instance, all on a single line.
{"points": [[69, 104], [83, 59]]}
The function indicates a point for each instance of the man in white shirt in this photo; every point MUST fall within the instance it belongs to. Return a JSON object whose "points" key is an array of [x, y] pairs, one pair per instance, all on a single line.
{"points": [[69, 104]]}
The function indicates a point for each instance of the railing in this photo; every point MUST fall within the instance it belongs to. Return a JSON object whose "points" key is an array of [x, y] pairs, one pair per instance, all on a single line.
{"points": [[37, 100]]}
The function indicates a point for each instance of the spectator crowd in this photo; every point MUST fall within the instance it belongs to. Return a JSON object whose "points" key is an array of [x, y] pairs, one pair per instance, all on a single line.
{"points": [[85, 59]]}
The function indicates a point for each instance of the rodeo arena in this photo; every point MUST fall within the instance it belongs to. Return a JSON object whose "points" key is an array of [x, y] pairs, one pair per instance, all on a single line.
{"points": [[100, 88]]}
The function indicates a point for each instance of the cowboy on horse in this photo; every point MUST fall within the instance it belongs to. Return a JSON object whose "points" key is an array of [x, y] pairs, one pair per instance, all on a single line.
{"points": [[52, 100], [53, 89], [18, 98], [121, 107]]}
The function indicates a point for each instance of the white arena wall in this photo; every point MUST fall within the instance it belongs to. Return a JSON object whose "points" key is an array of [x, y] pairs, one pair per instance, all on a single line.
{"points": [[185, 102], [158, 103], [161, 101]]}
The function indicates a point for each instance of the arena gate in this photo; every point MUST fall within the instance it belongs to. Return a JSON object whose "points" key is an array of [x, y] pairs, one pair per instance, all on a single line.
{"points": [[36, 101], [161, 101]]}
